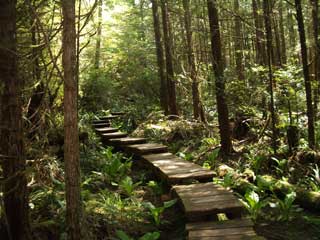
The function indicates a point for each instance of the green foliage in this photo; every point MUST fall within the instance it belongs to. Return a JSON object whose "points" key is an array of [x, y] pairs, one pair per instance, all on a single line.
{"points": [[254, 204], [148, 236], [127, 186], [157, 211]]}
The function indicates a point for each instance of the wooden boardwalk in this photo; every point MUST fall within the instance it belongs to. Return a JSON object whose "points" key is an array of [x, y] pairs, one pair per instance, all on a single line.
{"points": [[199, 198]]}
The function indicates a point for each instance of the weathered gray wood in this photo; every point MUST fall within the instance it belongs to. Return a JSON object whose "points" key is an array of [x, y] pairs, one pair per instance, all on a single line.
{"points": [[158, 156], [107, 136], [236, 223], [201, 200], [106, 130], [118, 113], [99, 121], [141, 149], [109, 117], [101, 125], [238, 229], [127, 141]]}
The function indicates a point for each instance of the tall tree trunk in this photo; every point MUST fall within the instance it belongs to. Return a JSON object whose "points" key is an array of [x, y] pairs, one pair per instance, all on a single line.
{"points": [[99, 32], [307, 81], [160, 57], [282, 35], [267, 19], [12, 156], [238, 42], [33, 113], [316, 39], [71, 136], [169, 59], [261, 58], [191, 60], [217, 62]]}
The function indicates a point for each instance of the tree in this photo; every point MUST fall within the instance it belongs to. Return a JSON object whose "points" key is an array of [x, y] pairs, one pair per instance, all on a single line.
{"points": [[238, 42], [12, 153], [307, 81], [99, 32], [316, 39], [169, 59], [71, 136], [160, 57], [267, 22], [191, 61], [218, 68]]}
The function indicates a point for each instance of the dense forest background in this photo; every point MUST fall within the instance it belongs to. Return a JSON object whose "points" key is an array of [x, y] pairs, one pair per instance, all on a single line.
{"points": [[231, 85]]}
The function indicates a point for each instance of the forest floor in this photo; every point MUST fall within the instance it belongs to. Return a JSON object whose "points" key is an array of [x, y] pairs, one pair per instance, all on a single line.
{"points": [[123, 201]]}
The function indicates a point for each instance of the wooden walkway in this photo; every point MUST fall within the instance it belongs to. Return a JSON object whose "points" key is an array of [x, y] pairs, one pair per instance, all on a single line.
{"points": [[199, 198]]}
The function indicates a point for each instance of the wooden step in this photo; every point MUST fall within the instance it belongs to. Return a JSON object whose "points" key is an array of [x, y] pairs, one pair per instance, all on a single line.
{"points": [[238, 229], [101, 125], [106, 130], [176, 170], [108, 117], [127, 141], [108, 136], [141, 149], [118, 113], [205, 200], [99, 121]]}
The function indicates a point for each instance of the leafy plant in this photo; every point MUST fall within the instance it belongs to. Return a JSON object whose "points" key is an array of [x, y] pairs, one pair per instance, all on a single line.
{"points": [[127, 186], [254, 204], [157, 211], [286, 206], [281, 165], [148, 236]]}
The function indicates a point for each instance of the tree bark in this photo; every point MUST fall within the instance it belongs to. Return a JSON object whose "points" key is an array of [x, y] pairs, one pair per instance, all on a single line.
{"points": [[217, 63], [71, 136], [238, 43], [169, 59], [260, 46], [12, 154], [191, 60], [267, 19], [282, 35], [160, 57], [98, 42], [307, 81], [316, 39]]}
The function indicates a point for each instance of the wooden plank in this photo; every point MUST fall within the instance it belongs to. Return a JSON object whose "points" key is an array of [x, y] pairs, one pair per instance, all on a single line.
{"points": [[127, 141], [219, 224], [158, 156], [114, 135], [238, 229], [176, 170], [106, 130], [118, 113], [141, 149], [244, 231], [101, 125], [108, 117], [199, 200], [99, 121]]}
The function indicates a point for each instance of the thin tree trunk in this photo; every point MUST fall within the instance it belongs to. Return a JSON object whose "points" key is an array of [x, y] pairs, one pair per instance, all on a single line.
{"points": [[238, 42], [307, 81], [217, 62], [99, 32], [12, 154], [282, 35], [191, 60], [267, 19], [316, 39], [169, 59], [160, 58], [71, 136]]}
